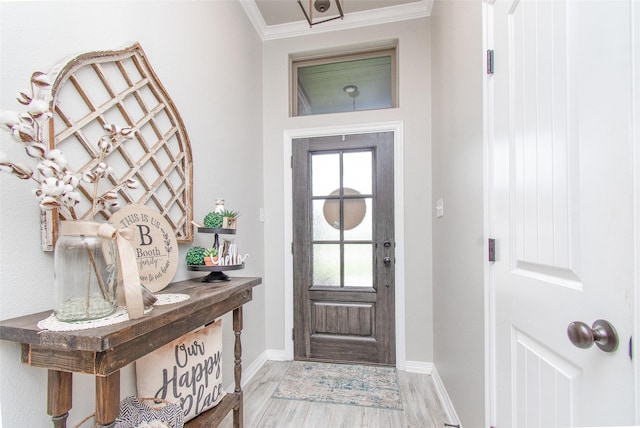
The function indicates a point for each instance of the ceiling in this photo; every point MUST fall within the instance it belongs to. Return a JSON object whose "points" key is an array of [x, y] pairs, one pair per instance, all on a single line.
{"points": [[275, 19], [277, 12]]}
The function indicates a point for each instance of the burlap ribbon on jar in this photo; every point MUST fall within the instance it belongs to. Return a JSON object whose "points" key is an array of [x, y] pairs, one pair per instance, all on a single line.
{"points": [[127, 263]]}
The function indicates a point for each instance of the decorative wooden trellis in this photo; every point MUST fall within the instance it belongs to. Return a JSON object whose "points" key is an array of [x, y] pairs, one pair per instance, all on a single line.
{"points": [[119, 87]]}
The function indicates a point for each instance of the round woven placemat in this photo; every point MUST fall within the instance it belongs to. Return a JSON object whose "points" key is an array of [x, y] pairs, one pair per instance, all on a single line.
{"points": [[51, 323]]}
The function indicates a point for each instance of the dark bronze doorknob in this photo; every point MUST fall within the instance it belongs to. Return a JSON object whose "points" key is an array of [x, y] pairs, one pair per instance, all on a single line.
{"points": [[601, 333]]}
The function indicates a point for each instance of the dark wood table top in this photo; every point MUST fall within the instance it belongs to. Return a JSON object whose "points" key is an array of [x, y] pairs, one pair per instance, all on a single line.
{"points": [[111, 347]]}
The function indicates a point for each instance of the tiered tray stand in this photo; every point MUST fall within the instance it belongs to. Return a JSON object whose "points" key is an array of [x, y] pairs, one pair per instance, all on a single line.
{"points": [[216, 272]]}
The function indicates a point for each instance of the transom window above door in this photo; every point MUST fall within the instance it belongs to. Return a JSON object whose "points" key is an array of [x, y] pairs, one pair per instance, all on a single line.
{"points": [[365, 80]]}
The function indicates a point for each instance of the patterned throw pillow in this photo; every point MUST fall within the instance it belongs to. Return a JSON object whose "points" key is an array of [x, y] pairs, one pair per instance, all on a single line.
{"points": [[136, 413], [187, 371]]}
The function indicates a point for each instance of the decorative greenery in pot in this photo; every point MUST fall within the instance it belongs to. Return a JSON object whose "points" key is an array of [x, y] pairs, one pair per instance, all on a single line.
{"points": [[231, 214], [229, 219], [215, 220], [211, 257], [86, 265], [195, 256]]}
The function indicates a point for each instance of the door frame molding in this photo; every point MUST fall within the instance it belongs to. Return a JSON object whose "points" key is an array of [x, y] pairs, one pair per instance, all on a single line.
{"points": [[398, 171], [489, 277], [635, 144]]}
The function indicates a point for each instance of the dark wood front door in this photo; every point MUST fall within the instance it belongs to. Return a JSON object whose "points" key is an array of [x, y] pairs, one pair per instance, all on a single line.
{"points": [[343, 249]]}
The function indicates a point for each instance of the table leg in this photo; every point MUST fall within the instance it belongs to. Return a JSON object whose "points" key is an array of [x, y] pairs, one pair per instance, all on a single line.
{"points": [[59, 397], [107, 399], [237, 369]]}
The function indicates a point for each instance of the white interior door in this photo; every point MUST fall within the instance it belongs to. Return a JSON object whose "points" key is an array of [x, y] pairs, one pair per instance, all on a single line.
{"points": [[561, 155]]}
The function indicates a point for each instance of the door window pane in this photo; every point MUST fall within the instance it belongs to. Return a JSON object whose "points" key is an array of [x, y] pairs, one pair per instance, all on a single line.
{"points": [[325, 173], [363, 230], [358, 265], [357, 173], [325, 228], [326, 264]]}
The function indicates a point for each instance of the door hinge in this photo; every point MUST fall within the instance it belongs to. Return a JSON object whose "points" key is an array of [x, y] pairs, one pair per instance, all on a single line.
{"points": [[291, 247], [492, 249], [490, 63], [291, 161], [293, 335]]}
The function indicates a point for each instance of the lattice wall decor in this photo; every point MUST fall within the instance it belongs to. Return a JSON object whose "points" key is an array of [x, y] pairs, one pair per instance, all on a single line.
{"points": [[119, 87]]}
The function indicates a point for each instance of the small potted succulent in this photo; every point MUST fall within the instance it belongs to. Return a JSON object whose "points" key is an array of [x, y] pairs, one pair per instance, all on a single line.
{"points": [[229, 219], [210, 256]]}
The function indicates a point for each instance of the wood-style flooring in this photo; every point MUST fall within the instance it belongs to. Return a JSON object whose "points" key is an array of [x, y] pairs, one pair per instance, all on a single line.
{"points": [[421, 405]]}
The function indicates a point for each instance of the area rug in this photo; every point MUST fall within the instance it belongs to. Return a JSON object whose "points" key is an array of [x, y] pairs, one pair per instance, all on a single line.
{"points": [[367, 386]]}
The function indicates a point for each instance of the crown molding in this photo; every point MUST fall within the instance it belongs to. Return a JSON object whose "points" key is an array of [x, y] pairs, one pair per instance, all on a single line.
{"points": [[385, 15], [252, 11]]}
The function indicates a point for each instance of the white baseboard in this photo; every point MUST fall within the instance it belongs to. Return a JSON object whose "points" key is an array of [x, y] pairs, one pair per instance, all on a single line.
{"points": [[450, 412], [418, 367], [248, 372], [277, 355]]}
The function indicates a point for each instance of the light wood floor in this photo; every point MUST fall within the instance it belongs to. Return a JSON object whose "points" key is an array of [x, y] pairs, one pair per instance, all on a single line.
{"points": [[421, 405]]}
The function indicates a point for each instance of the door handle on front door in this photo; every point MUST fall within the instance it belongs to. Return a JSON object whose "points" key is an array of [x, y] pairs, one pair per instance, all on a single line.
{"points": [[386, 260], [601, 333]]}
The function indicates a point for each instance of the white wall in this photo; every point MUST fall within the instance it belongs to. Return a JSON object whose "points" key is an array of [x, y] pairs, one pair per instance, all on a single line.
{"points": [[458, 245], [414, 111], [208, 56]]}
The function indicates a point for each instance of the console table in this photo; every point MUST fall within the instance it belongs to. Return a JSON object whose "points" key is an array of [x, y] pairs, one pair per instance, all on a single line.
{"points": [[103, 351]]}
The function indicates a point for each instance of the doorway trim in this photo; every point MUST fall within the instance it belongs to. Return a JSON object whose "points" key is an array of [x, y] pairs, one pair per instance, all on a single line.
{"points": [[489, 276], [635, 144], [398, 166]]}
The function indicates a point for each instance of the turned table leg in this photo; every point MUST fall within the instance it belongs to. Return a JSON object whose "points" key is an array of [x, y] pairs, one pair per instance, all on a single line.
{"points": [[237, 368], [107, 399], [59, 396]]}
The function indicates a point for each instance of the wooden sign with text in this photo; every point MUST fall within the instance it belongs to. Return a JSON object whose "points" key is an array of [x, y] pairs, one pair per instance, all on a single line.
{"points": [[154, 243]]}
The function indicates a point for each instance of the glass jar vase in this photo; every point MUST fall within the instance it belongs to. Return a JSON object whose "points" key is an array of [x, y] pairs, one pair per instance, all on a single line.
{"points": [[85, 273]]}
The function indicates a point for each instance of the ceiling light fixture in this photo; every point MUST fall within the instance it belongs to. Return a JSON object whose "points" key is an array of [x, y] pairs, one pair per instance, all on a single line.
{"points": [[321, 6], [353, 92], [350, 89]]}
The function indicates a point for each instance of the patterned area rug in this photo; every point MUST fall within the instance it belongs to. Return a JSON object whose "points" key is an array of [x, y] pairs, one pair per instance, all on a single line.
{"points": [[367, 386]]}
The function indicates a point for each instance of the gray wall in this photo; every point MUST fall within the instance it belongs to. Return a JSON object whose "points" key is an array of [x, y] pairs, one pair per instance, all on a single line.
{"points": [[199, 51], [413, 110], [458, 246]]}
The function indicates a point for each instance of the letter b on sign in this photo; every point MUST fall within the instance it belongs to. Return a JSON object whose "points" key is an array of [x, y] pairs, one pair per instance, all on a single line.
{"points": [[145, 236]]}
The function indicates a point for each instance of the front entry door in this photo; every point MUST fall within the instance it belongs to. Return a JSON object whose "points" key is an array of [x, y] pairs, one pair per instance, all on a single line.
{"points": [[562, 150], [343, 249]]}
